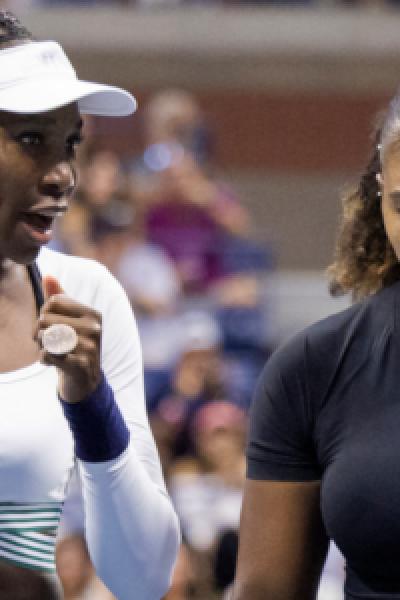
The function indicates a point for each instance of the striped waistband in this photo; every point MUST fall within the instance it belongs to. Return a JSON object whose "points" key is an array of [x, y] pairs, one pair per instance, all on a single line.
{"points": [[22, 538]]}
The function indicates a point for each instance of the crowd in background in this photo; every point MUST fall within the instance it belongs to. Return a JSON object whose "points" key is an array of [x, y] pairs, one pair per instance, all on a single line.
{"points": [[183, 246]]}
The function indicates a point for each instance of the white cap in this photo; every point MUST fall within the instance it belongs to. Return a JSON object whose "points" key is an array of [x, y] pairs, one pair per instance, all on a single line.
{"points": [[200, 331], [37, 77]]}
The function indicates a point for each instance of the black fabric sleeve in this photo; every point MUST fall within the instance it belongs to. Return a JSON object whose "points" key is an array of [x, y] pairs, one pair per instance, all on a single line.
{"points": [[280, 443]]}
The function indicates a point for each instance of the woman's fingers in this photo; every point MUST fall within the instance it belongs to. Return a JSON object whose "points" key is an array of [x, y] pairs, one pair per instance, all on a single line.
{"points": [[80, 369], [63, 305], [81, 358], [86, 325], [51, 286]]}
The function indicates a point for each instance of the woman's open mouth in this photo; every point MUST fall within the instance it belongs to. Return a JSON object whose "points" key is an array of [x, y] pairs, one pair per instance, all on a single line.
{"points": [[38, 226]]}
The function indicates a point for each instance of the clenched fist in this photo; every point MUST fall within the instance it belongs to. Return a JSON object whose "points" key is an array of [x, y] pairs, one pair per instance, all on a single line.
{"points": [[79, 371]]}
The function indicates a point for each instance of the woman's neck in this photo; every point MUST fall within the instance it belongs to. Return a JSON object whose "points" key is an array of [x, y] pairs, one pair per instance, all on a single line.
{"points": [[12, 276], [7, 266]]}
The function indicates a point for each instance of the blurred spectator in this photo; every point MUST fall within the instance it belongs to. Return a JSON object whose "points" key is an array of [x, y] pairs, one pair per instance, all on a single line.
{"points": [[103, 191], [76, 572], [184, 584], [100, 213], [23, 584], [206, 232], [174, 396], [207, 489], [100, 178], [242, 311], [185, 210], [149, 278], [145, 270]]}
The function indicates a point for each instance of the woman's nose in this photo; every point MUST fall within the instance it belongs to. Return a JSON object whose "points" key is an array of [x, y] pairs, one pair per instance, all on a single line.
{"points": [[58, 181]]}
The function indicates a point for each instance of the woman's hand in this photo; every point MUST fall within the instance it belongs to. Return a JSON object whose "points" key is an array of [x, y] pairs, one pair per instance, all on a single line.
{"points": [[79, 371]]}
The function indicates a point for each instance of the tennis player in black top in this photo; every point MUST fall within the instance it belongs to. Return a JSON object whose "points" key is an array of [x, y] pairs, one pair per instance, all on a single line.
{"points": [[324, 447]]}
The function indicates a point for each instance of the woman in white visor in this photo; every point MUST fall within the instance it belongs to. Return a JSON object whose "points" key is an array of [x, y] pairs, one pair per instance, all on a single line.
{"points": [[71, 386]]}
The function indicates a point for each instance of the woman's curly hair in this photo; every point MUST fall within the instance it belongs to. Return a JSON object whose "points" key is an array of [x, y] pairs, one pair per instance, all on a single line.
{"points": [[364, 259]]}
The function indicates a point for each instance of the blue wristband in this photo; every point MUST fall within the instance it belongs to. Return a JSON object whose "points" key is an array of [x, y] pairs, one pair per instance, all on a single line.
{"points": [[98, 427]]}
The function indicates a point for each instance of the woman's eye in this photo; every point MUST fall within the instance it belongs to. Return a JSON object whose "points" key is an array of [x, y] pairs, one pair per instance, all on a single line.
{"points": [[74, 141], [30, 139]]}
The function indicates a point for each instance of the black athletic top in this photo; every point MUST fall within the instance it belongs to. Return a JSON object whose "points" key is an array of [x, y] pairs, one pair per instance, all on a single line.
{"points": [[327, 406]]}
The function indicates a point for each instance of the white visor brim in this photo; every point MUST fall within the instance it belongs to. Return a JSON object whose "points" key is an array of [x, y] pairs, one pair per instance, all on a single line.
{"points": [[37, 77], [37, 96]]}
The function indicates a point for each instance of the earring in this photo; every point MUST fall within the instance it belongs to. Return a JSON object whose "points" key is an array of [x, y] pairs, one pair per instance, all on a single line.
{"points": [[379, 180]]}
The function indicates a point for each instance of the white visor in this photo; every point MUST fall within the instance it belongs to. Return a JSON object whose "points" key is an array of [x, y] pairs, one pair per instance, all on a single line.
{"points": [[37, 77]]}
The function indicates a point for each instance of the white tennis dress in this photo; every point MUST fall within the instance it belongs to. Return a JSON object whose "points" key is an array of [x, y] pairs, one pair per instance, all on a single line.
{"points": [[130, 526]]}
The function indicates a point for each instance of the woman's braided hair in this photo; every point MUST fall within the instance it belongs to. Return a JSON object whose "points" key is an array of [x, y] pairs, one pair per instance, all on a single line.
{"points": [[11, 30], [364, 260]]}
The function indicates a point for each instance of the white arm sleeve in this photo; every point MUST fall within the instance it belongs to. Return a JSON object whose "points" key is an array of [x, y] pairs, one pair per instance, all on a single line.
{"points": [[131, 528]]}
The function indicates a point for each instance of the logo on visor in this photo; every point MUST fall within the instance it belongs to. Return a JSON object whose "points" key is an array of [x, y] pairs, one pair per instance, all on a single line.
{"points": [[51, 60]]}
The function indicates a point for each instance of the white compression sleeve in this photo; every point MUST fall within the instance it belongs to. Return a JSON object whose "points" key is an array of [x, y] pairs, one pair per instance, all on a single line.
{"points": [[131, 529]]}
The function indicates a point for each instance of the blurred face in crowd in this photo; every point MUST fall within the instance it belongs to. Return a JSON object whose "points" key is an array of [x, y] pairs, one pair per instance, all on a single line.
{"points": [[102, 177], [198, 371], [175, 120], [170, 115], [220, 445], [219, 435]]}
